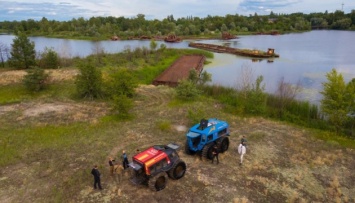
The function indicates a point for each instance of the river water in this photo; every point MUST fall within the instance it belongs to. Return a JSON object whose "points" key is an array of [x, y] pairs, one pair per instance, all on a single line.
{"points": [[305, 58]]}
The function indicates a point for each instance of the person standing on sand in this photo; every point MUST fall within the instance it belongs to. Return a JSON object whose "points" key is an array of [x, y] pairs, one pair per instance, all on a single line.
{"points": [[119, 172], [97, 181], [241, 150], [215, 153], [111, 164], [124, 160]]}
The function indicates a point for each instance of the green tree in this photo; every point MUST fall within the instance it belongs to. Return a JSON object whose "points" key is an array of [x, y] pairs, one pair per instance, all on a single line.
{"points": [[256, 101], [121, 82], [187, 90], [49, 59], [334, 104], [153, 45], [120, 87], [350, 97], [35, 80], [224, 28], [23, 53], [204, 78], [121, 105], [89, 81], [199, 80]]}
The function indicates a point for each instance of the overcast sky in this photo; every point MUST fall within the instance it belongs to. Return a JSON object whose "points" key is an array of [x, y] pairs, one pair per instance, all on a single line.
{"points": [[158, 9]]}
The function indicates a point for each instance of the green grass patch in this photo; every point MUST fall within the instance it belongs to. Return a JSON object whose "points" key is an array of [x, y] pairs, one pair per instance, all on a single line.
{"points": [[16, 142], [10, 94], [27, 143], [334, 140], [13, 94], [164, 125]]}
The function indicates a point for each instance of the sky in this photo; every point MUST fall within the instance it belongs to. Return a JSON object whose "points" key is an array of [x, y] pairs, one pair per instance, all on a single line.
{"points": [[64, 10]]}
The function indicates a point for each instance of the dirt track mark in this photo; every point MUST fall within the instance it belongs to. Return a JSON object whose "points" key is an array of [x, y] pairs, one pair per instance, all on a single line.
{"points": [[153, 96]]}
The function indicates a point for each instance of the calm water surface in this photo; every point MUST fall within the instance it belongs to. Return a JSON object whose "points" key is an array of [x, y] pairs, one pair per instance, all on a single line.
{"points": [[304, 57]]}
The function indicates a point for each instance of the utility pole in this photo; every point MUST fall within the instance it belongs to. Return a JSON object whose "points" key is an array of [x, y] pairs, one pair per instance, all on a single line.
{"points": [[342, 6]]}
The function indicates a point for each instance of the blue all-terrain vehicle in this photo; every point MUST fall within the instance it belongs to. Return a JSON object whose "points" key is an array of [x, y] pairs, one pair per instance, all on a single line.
{"points": [[203, 136]]}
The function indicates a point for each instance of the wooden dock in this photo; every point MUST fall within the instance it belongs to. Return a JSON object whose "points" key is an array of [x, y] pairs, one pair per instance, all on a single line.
{"points": [[180, 70], [242, 52]]}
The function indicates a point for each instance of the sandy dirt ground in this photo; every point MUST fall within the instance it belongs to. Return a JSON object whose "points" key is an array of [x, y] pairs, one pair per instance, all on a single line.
{"points": [[283, 163]]}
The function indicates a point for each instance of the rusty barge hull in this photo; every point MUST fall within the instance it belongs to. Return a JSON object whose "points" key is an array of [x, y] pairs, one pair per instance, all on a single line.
{"points": [[242, 52], [180, 70]]}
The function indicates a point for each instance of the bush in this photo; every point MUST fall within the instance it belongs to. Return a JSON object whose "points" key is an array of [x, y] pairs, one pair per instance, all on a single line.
{"points": [[187, 90], [49, 59], [121, 105], [195, 115], [35, 80], [164, 126], [120, 82], [89, 82]]}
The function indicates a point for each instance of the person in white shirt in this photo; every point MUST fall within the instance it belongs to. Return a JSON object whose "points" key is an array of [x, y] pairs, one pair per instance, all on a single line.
{"points": [[241, 150]]}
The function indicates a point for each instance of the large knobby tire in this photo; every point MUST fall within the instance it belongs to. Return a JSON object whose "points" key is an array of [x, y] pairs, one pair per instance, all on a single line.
{"points": [[187, 148], [207, 151], [223, 144], [178, 170], [158, 182]]}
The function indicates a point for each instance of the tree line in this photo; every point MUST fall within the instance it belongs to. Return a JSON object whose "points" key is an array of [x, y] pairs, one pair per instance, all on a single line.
{"points": [[105, 27]]}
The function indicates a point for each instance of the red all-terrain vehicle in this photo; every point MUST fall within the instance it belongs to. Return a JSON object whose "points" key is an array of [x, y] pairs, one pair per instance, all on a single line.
{"points": [[153, 166]]}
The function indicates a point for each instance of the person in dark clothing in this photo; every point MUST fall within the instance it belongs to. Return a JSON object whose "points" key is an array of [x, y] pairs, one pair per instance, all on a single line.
{"points": [[124, 160], [215, 153], [96, 173]]}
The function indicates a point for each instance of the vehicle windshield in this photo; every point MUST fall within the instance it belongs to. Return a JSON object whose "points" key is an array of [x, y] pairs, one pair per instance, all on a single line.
{"points": [[135, 166], [193, 134]]}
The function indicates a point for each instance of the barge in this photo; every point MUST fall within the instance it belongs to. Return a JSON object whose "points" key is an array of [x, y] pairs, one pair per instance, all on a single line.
{"points": [[270, 53]]}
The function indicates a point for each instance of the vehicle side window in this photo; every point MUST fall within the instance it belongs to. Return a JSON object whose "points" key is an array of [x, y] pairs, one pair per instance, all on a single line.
{"points": [[222, 132], [152, 169], [164, 162], [172, 155], [161, 164]]}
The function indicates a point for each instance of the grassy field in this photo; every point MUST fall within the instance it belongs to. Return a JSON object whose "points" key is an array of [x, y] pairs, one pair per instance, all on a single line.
{"points": [[50, 141]]}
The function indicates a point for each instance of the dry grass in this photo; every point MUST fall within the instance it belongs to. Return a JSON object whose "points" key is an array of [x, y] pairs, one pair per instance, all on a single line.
{"points": [[55, 75]]}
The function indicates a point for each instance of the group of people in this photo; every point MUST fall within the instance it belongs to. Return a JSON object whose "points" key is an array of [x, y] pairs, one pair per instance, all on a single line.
{"points": [[114, 167], [241, 150]]}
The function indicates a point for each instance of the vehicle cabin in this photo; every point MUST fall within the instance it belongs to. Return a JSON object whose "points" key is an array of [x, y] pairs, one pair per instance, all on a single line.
{"points": [[153, 159], [205, 132]]}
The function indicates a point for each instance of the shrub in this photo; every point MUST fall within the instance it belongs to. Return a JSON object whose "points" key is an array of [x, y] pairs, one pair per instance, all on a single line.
{"points": [[164, 125], [187, 90], [49, 59], [120, 82], [23, 52], [35, 80], [121, 105], [195, 115], [89, 82]]}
